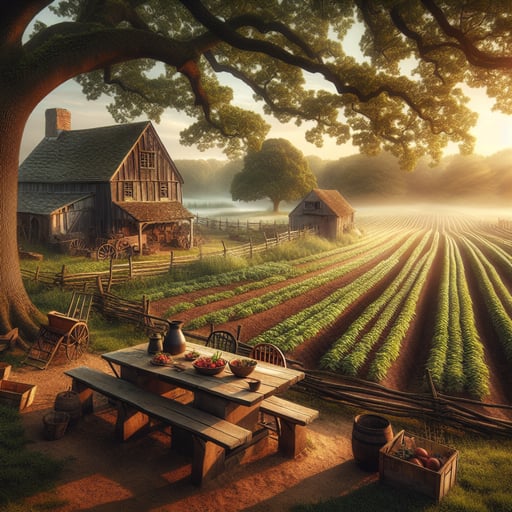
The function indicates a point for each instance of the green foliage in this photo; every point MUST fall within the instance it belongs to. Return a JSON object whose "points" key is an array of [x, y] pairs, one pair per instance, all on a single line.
{"points": [[278, 171], [22, 472]]}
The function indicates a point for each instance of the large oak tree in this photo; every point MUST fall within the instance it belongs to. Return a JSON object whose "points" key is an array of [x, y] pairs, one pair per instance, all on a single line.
{"points": [[399, 92]]}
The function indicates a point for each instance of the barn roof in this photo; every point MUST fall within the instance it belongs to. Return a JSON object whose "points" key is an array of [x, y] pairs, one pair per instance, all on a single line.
{"points": [[155, 212], [90, 155], [334, 201], [48, 203]]}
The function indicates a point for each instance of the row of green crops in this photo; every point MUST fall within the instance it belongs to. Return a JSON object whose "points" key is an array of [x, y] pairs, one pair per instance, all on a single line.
{"points": [[307, 323], [495, 295], [349, 352], [272, 299], [301, 266], [456, 360]]}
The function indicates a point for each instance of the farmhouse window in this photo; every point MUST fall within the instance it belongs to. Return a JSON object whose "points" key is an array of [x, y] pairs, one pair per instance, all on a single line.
{"points": [[128, 190], [312, 205], [164, 190], [147, 159]]}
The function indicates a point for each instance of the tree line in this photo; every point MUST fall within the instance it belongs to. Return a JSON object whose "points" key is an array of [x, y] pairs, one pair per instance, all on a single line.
{"points": [[358, 177]]}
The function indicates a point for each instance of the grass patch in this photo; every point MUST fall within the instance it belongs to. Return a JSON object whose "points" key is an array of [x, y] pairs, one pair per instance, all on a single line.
{"points": [[22, 472]]}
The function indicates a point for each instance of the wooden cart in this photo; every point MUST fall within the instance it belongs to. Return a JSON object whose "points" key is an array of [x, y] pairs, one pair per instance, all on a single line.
{"points": [[119, 247], [69, 330]]}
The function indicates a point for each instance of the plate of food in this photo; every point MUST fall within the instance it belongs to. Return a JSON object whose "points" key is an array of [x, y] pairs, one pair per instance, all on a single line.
{"points": [[191, 355], [161, 359]]}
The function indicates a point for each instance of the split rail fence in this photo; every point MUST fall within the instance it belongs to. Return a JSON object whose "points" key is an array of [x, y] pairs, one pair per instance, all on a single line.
{"points": [[132, 269]]}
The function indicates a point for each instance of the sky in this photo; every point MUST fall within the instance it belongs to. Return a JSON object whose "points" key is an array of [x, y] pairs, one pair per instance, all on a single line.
{"points": [[493, 131]]}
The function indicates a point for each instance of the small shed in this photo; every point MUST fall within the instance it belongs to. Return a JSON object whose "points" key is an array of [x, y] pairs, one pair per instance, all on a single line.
{"points": [[326, 211]]}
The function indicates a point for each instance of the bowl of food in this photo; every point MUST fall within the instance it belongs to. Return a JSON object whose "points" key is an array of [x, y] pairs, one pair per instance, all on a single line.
{"points": [[242, 367], [161, 359], [210, 365], [192, 355]]}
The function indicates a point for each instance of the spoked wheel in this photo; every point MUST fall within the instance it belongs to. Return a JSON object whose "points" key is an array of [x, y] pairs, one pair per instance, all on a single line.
{"points": [[106, 251], [78, 341], [76, 246]]}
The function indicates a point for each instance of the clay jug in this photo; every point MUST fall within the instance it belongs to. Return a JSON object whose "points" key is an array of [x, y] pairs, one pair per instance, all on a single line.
{"points": [[155, 343], [174, 341]]}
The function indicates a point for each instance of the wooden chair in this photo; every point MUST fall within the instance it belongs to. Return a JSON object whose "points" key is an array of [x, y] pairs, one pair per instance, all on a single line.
{"points": [[269, 354], [222, 340]]}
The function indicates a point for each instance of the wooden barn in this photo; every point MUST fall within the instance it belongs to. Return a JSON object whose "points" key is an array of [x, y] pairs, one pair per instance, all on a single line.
{"points": [[99, 183], [326, 211]]}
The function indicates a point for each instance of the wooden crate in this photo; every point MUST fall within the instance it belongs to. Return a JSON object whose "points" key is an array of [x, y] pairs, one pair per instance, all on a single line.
{"points": [[402, 473], [59, 322], [16, 394], [5, 371]]}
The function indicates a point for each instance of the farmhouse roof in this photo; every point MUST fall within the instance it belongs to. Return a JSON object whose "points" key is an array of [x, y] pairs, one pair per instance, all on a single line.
{"points": [[89, 155], [155, 212], [48, 203]]}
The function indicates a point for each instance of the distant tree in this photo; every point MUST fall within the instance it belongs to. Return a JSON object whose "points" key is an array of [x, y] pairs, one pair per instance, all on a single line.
{"points": [[278, 171]]}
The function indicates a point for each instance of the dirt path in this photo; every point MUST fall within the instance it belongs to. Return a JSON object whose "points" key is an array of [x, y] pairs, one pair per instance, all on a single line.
{"points": [[103, 475]]}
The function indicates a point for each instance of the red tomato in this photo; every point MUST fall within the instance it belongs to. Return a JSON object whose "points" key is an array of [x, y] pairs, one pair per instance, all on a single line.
{"points": [[433, 464], [420, 452], [416, 461]]}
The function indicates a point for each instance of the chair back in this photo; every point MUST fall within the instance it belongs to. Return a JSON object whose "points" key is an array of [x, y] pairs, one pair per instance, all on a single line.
{"points": [[268, 353], [222, 340]]}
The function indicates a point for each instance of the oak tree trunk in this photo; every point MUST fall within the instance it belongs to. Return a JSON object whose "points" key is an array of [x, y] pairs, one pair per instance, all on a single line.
{"points": [[16, 308]]}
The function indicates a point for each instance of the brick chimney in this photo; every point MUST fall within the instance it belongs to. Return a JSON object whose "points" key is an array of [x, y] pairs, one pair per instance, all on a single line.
{"points": [[57, 120]]}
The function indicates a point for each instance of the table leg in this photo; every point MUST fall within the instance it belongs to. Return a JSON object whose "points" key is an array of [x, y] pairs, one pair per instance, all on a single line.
{"points": [[241, 415]]}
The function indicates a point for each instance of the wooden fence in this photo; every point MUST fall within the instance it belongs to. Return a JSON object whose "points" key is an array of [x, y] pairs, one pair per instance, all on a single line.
{"points": [[431, 407], [240, 225], [121, 272]]}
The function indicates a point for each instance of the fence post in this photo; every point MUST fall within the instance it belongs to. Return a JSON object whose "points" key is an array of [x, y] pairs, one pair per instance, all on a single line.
{"points": [[266, 241], [171, 262], [130, 266], [224, 249], [250, 247], [62, 272], [36, 273]]}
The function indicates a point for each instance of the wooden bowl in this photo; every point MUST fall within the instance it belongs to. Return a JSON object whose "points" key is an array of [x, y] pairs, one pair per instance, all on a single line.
{"points": [[207, 370], [242, 370], [254, 384]]}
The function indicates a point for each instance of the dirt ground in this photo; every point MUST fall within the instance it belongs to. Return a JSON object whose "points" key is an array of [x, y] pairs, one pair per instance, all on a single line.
{"points": [[102, 474]]}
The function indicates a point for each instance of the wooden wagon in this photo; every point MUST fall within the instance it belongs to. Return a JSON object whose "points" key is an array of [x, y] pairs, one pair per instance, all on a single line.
{"points": [[68, 330]]}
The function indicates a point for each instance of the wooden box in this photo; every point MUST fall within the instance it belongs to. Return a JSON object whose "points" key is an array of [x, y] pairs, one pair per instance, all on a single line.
{"points": [[16, 394], [59, 322], [5, 370], [402, 473]]}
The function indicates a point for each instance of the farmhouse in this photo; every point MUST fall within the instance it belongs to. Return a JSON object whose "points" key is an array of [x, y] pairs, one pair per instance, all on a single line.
{"points": [[99, 183], [327, 211]]}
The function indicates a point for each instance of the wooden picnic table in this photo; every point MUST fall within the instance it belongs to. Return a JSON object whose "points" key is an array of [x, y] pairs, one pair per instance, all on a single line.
{"points": [[224, 395]]}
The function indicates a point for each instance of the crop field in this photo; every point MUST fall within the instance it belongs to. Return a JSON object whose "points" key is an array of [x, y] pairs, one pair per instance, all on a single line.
{"points": [[415, 292]]}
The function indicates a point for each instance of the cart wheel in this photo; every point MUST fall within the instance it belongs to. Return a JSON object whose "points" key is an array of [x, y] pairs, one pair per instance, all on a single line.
{"points": [[78, 341], [76, 246], [106, 251]]}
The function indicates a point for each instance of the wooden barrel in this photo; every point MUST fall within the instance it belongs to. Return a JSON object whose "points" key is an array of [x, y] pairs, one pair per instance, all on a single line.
{"points": [[369, 434], [69, 402]]}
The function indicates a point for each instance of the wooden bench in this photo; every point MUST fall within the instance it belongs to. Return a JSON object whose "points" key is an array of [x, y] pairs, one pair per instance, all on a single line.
{"points": [[293, 418], [211, 436]]}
